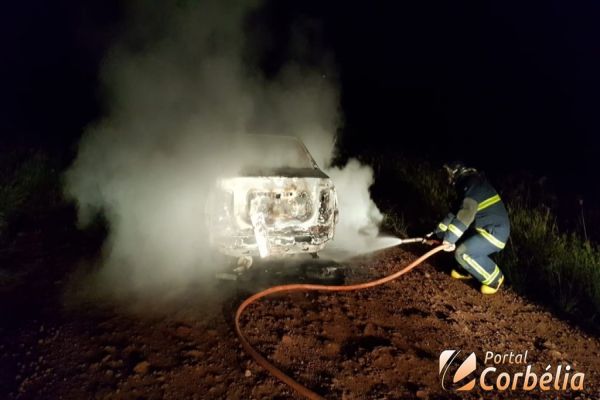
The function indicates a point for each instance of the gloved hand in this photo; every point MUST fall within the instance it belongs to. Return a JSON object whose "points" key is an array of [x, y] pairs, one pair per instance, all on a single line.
{"points": [[449, 246], [429, 241]]}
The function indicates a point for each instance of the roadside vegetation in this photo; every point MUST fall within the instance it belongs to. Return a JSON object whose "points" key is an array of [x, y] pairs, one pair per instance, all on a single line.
{"points": [[29, 188]]}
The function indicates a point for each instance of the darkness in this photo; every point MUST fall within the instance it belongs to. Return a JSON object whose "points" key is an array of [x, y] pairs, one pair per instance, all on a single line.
{"points": [[508, 86], [51, 55]]}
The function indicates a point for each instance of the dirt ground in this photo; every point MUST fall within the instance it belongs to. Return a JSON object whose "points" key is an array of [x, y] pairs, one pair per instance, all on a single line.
{"points": [[381, 343]]}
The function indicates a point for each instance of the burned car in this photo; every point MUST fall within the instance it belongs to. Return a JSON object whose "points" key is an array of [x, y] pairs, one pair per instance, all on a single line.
{"points": [[280, 203]]}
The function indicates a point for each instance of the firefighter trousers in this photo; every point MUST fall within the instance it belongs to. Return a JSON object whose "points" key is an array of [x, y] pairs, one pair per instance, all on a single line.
{"points": [[473, 255]]}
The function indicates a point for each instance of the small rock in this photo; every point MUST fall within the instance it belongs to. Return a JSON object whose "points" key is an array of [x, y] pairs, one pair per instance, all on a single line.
{"points": [[555, 354], [332, 349], [384, 361], [115, 364], [370, 330], [183, 331], [110, 349], [422, 394], [549, 345], [194, 353], [248, 373], [212, 333], [142, 368], [287, 340]]}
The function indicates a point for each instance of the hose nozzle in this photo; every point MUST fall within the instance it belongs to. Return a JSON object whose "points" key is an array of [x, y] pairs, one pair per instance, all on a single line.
{"points": [[424, 240]]}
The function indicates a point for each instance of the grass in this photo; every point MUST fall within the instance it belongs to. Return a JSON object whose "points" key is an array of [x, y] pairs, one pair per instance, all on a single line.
{"points": [[557, 268], [412, 193], [562, 267], [29, 185]]}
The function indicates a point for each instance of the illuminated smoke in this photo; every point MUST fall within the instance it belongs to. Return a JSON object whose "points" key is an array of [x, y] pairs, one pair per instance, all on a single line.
{"points": [[181, 88]]}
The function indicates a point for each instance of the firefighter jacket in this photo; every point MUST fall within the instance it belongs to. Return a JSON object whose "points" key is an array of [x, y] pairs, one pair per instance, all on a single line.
{"points": [[481, 208]]}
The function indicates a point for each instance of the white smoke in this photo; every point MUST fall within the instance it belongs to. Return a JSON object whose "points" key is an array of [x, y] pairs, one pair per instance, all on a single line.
{"points": [[180, 91]]}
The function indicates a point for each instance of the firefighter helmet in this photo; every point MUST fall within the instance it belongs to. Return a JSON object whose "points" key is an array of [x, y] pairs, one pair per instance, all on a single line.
{"points": [[456, 170]]}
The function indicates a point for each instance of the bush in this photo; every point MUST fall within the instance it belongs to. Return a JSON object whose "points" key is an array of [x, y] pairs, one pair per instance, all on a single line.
{"points": [[412, 194], [561, 267], [29, 183]]}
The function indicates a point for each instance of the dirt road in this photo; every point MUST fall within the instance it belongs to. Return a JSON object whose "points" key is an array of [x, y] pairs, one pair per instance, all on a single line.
{"points": [[382, 343]]}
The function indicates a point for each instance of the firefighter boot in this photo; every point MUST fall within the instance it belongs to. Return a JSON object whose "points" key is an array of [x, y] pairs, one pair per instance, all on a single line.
{"points": [[458, 275], [485, 289]]}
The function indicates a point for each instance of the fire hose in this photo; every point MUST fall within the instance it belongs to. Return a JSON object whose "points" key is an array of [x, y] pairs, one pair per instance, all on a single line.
{"points": [[266, 364]]}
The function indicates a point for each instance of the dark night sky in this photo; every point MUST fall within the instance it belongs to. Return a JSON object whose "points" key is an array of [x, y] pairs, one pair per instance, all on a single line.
{"points": [[507, 85]]}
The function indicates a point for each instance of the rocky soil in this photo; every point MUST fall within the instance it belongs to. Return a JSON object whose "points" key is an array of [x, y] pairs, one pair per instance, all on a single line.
{"points": [[381, 343]]}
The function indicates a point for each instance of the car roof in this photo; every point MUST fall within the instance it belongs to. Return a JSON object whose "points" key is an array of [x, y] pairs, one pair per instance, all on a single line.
{"points": [[274, 151]]}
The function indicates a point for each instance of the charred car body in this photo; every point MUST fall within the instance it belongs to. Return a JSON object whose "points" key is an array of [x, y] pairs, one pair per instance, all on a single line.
{"points": [[281, 203]]}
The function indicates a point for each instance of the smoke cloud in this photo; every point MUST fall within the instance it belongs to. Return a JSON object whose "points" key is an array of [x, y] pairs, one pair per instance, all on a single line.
{"points": [[182, 88]]}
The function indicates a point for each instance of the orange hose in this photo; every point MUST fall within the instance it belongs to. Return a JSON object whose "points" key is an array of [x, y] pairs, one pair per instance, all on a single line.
{"points": [[266, 364]]}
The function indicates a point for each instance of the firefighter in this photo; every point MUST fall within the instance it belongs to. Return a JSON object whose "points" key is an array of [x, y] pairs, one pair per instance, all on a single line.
{"points": [[480, 228]]}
